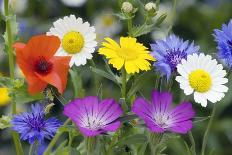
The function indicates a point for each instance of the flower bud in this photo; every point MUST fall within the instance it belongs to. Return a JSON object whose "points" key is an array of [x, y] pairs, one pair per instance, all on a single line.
{"points": [[150, 6], [127, 7]]}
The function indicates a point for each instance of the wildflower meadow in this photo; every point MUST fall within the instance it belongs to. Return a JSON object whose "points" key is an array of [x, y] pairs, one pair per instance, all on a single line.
{"points": [[115, 77]]}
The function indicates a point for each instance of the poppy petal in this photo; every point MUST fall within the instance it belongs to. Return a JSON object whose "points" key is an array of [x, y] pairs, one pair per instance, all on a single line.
{"points": [[42, 45], [35, 85], [19, 45], [52, 79], [61, 67]]}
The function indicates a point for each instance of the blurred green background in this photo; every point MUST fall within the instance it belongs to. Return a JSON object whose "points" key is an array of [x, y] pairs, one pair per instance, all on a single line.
{"points": [[195, 20]]}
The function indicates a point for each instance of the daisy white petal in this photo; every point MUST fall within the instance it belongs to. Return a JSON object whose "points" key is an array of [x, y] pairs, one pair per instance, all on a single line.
{"points": [[77, 39], [205, 78]]}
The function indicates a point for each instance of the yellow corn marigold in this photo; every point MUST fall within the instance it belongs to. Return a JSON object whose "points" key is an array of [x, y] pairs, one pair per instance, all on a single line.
{"points": [[131, 54]]}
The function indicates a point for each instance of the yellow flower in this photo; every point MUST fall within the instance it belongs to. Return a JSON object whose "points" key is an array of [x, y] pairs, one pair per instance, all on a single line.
{"points": [[4, 97], [134, 56]]}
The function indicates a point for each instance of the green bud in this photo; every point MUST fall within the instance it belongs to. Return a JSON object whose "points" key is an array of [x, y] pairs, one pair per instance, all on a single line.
{"points": [[127, 7]]}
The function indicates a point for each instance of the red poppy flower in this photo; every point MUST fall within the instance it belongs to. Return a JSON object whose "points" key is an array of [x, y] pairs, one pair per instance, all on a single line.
{"points": [[39, 65]]}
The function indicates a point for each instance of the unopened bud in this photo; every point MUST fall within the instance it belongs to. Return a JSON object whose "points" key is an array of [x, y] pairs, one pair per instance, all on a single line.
{"points": [[127, 7], [150, 6]]}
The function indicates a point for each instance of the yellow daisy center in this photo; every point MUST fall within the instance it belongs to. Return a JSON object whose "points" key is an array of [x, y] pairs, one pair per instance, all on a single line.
{"points": [[73, 42], [108, 20], [4, 97], [127, 54], [200, 80]]}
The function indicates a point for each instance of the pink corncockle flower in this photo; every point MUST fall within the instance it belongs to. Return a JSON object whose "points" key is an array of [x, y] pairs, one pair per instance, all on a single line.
{"points": [[159, 116], [94, 117]]}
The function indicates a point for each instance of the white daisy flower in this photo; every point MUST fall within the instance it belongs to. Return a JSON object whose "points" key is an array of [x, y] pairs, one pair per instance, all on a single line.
{"points": [[106, 25], [77, 39], [74, 3], [203, 76]]}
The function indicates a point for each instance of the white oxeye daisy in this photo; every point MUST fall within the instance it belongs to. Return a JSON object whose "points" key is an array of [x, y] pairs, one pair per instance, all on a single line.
{"points": [[203, 76], [106, 25], [77, 39]]}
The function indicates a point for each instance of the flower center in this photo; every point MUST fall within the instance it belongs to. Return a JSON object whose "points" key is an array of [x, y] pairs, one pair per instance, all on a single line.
{"points": [[127, 54], [162, 120], [72, 42], [94, 123], [200, 80], [42, 66], [36, 122], [108, 20], [174, 57]]}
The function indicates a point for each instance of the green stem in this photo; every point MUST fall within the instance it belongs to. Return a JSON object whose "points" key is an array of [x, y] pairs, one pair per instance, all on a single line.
{"points": [[96, 81], [90, 145], [193, 148], [10, 41], [129, 25], [124, 76], [173, 15], [154, 141], [113, 141], [18, 146], [70, 139], [55, 138], [33, 148], [206, 135]]}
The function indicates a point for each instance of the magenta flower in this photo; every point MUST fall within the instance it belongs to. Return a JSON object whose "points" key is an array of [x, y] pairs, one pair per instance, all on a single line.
{"points": [[94, 117], [159, 116]]}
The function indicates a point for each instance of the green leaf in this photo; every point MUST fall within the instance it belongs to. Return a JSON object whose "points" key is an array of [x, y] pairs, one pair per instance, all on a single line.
{"points": [[5, 82], [104, 74], [77, 83], [22, 96], [133, 139], [108, 69], [187, 148], [127, 118], [138, 84], [160, 19], [5, 122], [142, 149], [68, 151], [141, 30], [122, 16], [14, 28]]}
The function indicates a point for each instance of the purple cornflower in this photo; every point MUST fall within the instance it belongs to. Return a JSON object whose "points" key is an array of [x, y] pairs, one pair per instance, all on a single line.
{"points": [[159, 116], [224, 40], [94, 117], [33, 126], [169, 53]]}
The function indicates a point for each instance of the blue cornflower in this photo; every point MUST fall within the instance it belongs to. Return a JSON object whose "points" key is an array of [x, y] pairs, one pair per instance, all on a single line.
{"points": [[224, 40], [169, 53], [33, 126]]}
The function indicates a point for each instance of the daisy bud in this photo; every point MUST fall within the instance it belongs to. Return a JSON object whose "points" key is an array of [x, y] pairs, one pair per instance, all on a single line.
{"points": [[127, 7], [150, 6]]}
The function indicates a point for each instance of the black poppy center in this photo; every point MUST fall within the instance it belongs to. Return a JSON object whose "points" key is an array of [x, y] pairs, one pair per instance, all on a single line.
{"points": [[42, 66]]}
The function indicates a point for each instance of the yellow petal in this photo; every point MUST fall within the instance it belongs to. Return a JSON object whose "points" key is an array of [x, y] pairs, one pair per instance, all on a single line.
{"points": [[4, 97], [117, 63], [147, 57], [109, 53], [112, 43], [131, 67], [142, 64]]}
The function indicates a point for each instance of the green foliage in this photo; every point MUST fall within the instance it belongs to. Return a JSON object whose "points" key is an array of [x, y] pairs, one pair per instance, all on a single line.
{"points": [[132, 139], [18, 90], [5, 122], [14, 28]]}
